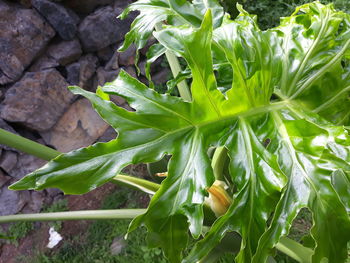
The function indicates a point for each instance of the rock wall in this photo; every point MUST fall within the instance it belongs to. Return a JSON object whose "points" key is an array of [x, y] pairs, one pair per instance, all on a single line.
{"points": [[44, 47]]}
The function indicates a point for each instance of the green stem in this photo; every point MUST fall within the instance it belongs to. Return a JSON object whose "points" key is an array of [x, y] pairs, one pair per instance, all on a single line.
{"points": [[27, 146], [176, 69], [75, 215], [46, 153], [295, 250], [136, 183]]}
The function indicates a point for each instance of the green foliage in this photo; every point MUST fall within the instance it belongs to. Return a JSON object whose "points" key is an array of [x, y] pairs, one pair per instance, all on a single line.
{"points": [[58, 206], [19, 230], [303, 65], [270, 11]]}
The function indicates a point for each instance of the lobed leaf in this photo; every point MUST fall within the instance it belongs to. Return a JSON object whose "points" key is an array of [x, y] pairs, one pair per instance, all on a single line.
{"points": [[284, 155]]}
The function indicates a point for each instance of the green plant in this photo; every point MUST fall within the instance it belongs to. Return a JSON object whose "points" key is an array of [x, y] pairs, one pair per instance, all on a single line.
{"points": [[279, 125]]}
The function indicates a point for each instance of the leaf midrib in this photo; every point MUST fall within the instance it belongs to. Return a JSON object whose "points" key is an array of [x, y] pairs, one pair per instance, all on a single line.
{"points": [[310, 51]]}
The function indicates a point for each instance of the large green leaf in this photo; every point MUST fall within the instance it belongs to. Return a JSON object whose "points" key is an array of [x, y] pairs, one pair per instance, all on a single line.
{"points": [[316, 52], [172, 12], [283, 156]]}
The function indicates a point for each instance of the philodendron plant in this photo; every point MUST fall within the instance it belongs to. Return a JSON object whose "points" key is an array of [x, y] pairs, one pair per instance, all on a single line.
{"points": [[276, 105]]}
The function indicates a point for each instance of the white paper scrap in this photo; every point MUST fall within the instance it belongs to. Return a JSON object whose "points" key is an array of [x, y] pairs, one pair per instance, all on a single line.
{"points": [[54, 238]]}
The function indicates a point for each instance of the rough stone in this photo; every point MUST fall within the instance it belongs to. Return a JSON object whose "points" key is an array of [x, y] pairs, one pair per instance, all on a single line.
{"points": [[131, 71], [108, 135], [88, 6], [37, 100], [104, 76], [79, 73], [73, 73], [8, 161], [122, 4], [80, 126], [26, 164], [101, 29], [65, 52], [53, 192], [5, 126], [161, 77], [9, 201], [64, 21], [113, 63], [3, 179], [23, 35], [127, 58], [43, 63], [36, 202], [106, 53]]}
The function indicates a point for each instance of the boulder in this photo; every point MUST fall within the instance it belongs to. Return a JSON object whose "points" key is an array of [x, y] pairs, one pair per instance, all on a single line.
{"points": [[63, 20], [88, 6], [43, 63], [23, 35], [81, 72], [80, 126], [8, 161], [37, 101], [127, 58], [5, 126], [101, 29], [104, 76], [106, 53], [10, 201], [3, 179], [65, 52], [26, 164]]}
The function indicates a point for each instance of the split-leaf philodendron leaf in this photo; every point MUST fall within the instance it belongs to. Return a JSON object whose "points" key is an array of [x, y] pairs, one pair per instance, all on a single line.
{"points": [[285, 153]]}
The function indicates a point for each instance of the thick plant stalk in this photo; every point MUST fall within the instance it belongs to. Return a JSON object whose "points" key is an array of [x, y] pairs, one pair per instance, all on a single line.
{"points": [[75, 215], [27, 146], [175, 70], [47, 153]]}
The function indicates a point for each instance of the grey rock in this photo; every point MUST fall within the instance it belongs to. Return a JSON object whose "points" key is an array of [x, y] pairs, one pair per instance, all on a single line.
{"points": [[3, 179], [26, 164], [88, 6], [80, 126], [108, 135], [23, 35], [101, 29], [5, 126], [65, 52], [106, 53], [104, 76], [113, 63], [79, 73], [64, 21], [73, 73], [36, 202], [131, 71], [8, 161], [43, 63], [122, 4], [9, 201], [52, 192], [37, 101], [161, 77], [127, 58]]}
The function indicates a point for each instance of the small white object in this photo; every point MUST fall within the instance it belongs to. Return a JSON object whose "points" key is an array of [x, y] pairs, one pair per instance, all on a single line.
{"points": [[54, 238]]}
